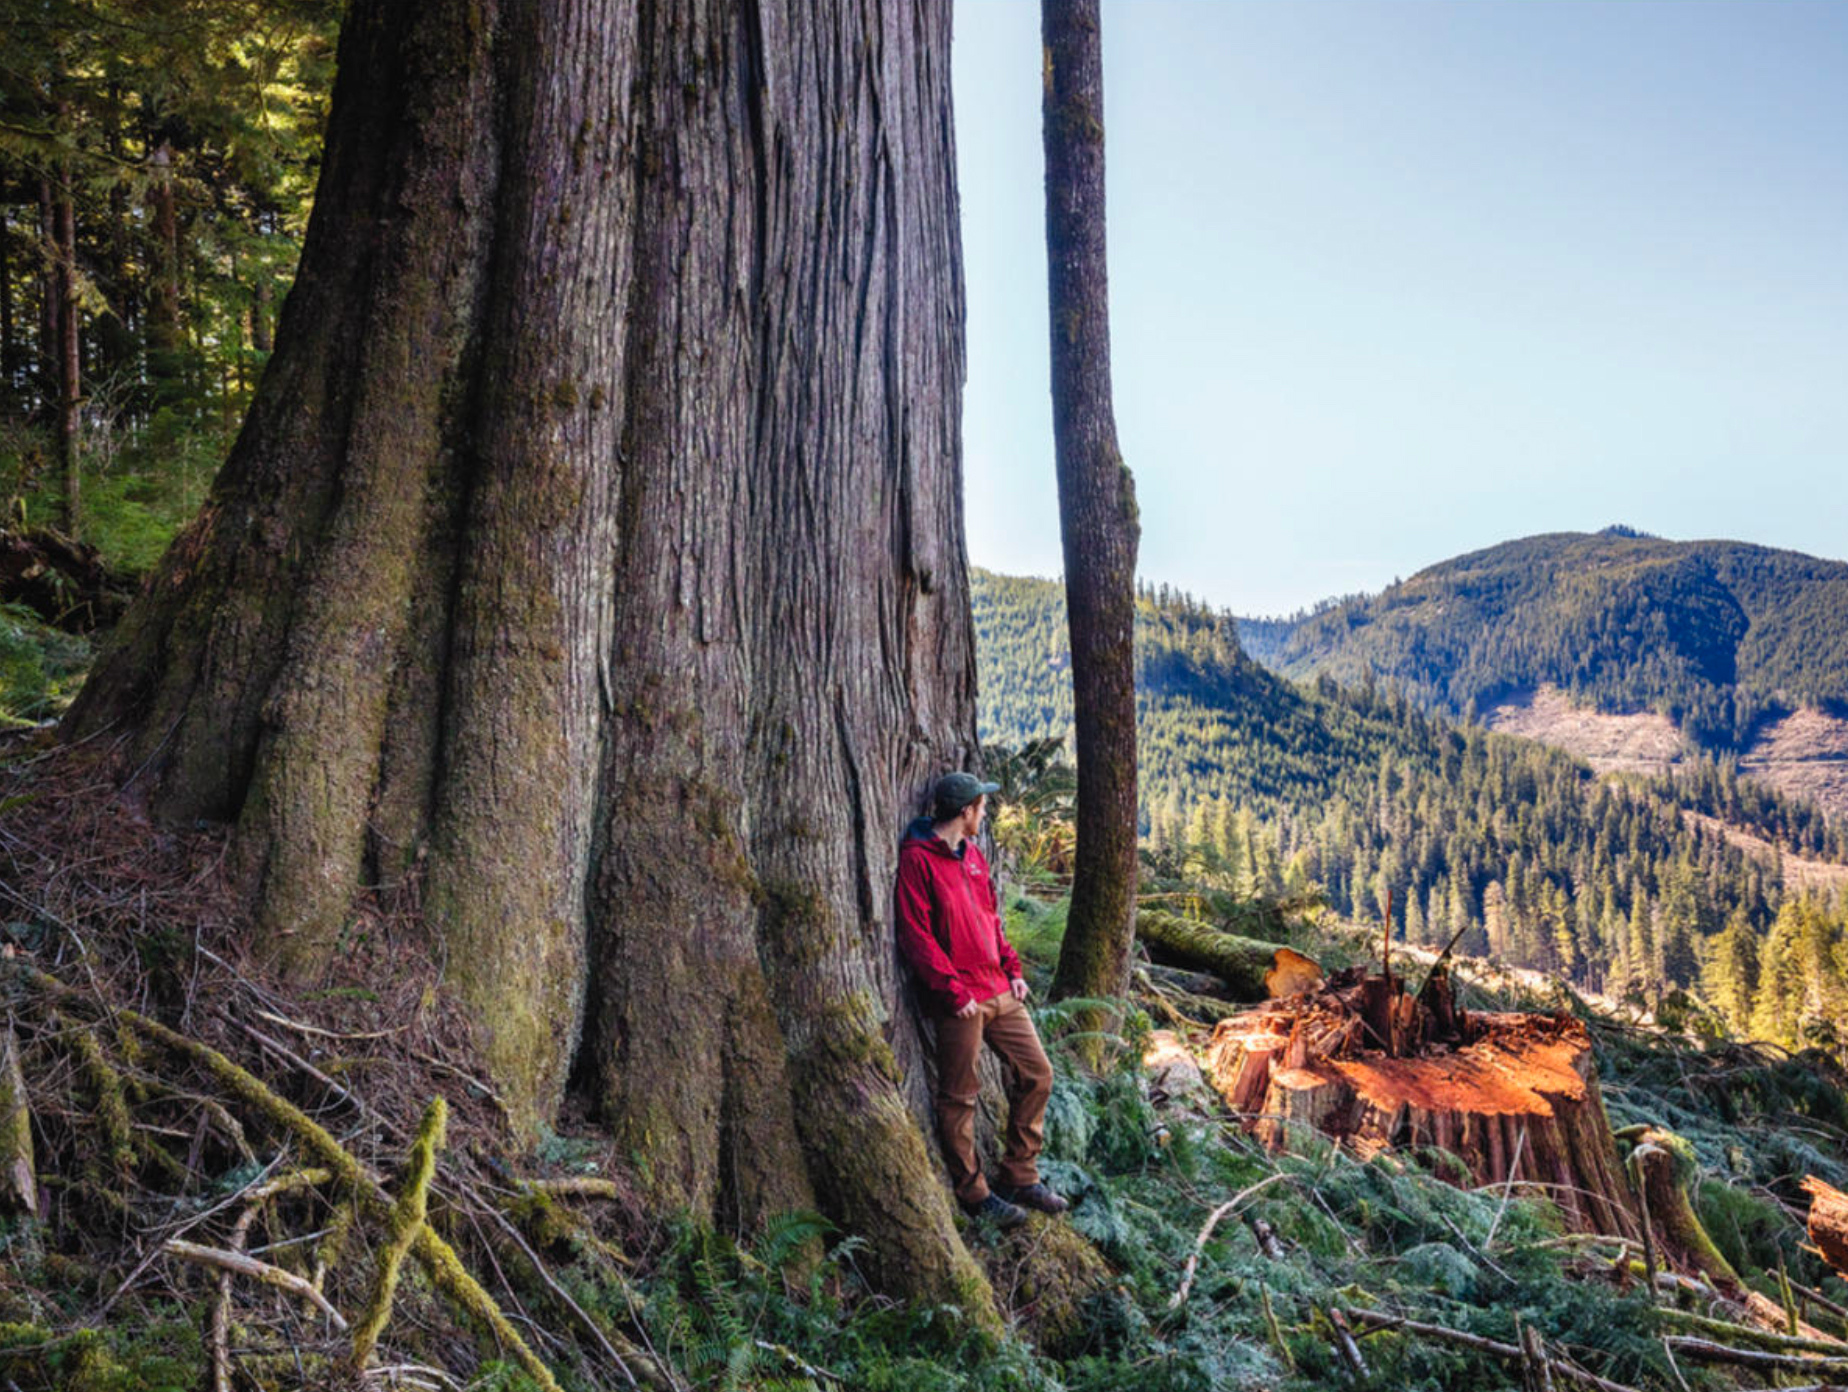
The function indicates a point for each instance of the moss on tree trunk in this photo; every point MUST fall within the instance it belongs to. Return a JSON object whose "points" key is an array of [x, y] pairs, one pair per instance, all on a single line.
{"points": [[594, 543]]}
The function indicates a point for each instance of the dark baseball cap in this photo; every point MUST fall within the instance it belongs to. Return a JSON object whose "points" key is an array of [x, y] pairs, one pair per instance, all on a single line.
{"points": [[955, 791]]}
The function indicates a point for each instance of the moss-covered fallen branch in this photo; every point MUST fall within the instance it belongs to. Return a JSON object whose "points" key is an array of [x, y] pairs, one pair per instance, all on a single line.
{"points": [[406, 1221], [1380, 1321]]}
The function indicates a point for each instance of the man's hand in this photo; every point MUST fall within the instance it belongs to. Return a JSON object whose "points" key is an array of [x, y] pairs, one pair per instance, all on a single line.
{"points": [[967, 1011], [1019, 987]]}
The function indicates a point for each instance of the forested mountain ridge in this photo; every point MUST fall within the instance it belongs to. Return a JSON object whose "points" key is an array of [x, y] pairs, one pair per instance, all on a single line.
{"points": [[1617, 883], [1719, 636]]}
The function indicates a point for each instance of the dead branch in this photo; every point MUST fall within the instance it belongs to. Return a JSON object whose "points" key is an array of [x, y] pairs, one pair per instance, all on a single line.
{"points": [[1706, 1351], [1764, 1338], [1206, 1231], [1376, 1320], [262, 1271], [407, 1220], [446, 1270], [579, 1186], [258, 1195], [1347, 1346]]}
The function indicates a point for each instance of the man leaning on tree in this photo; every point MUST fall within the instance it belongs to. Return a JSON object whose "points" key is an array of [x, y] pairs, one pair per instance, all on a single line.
{"points": [[949, 928]]}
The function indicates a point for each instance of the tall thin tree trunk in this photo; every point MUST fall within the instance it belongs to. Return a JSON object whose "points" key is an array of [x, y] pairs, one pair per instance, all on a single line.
{"points": [[70, 357], [48, 360], [260, 311], [163, 291], [592, 551], [1097, 509], [260, 292], [9, 346], [114, 344]]}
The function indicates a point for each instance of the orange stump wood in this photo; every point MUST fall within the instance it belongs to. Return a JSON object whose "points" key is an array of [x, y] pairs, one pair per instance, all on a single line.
{"points": [[1512, 1095], [1828, 1222]]}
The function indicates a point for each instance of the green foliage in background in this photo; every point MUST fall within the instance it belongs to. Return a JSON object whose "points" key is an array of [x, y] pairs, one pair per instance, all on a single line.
{"points": [[1266, 787], [40, 667]]}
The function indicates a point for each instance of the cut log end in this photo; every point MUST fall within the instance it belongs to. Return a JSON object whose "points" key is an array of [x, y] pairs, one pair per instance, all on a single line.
{"points": [[1828, 1222], [1292, 974]]}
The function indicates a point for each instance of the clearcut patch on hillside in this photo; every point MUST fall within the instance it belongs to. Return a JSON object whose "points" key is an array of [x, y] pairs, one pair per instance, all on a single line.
{"points": [[1639, 742], [1804, 755], [1800, 872]]}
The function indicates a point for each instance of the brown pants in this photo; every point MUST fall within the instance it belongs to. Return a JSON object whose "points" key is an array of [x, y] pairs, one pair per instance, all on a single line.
{"points": [[1005, 1024]]}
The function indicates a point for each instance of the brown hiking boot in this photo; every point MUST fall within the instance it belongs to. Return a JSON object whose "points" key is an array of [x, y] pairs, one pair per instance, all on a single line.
{"points": [[1033, 1195], [997, 1210]]}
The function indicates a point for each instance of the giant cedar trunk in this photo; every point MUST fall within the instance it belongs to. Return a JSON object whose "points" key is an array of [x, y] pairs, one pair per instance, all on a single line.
{"points": [[1097, 509], [595, 538]]}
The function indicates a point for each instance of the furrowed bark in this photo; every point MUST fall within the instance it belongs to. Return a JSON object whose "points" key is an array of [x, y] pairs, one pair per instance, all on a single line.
{"points": [[303, 824], [596, 529], [1097, 509]]}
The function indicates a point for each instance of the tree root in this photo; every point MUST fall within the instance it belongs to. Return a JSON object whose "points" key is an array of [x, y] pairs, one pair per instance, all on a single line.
{"points": [[407, 1220]]}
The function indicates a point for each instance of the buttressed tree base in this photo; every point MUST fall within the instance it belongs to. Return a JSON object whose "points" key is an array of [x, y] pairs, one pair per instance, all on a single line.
{"points": [[593, 552]]}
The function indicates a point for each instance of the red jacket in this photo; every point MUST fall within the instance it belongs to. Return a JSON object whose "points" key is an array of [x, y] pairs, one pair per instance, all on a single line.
{"points": [[949, 921]]}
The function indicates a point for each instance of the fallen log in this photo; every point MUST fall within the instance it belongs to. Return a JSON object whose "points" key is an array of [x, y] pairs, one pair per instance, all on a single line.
{"points": [[64, 582], [1242, 963], [1706, 1351]]}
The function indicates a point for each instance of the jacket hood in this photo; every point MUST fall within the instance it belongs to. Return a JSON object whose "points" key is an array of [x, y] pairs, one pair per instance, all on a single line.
{"points": [[922, 832]]}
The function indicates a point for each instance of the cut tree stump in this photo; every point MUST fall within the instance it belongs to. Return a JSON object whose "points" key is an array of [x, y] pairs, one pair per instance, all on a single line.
{"points": [[1514, 1097], [1663, 1163], [1828, 1222]]}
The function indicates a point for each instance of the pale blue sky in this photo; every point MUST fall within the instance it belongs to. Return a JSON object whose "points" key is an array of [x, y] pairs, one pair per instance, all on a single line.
{"points": [[1397, 279]]}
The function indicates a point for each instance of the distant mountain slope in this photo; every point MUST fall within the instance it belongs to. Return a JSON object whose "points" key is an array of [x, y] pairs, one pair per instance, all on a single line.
{"points": [[1717, 636], [1543, 863]]}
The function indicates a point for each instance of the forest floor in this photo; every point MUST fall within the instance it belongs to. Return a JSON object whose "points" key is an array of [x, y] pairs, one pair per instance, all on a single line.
{"points": [[182, 1103]]}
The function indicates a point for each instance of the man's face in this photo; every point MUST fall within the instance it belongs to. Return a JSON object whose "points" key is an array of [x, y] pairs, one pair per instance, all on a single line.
{"points": [[976, 811]]}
